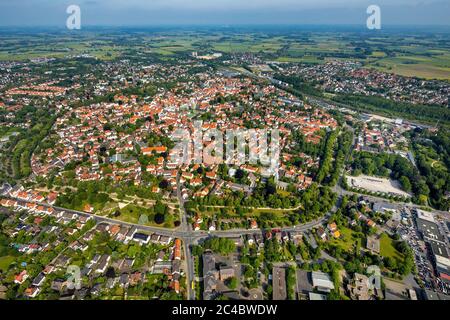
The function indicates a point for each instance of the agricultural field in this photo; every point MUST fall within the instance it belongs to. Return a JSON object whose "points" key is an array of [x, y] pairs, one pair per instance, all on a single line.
{"points": [[434, 67], [418, 56]]}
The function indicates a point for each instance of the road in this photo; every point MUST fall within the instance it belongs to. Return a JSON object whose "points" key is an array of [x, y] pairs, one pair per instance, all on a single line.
{"points": [[188, 241]]}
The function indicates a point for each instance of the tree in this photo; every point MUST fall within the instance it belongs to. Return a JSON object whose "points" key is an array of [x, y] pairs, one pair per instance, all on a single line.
{"points": [[159, 218], [239, 174], [406, 184], [223, 246], [231, 283], [164, 184]]}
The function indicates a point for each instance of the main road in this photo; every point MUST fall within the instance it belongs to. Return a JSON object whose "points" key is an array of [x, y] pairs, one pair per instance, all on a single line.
{"points": [[187, 243]]}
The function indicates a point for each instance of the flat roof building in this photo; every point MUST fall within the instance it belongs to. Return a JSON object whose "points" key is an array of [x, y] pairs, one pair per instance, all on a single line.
{"points": [[317, 296], [373, 244], [279, 283], [429, 230], [322, 281], [425, 215]]}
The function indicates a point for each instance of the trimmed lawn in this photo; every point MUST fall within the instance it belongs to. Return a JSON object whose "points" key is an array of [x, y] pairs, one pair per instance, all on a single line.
{"points": [[387, 248], [131, 213], [347, 239]]}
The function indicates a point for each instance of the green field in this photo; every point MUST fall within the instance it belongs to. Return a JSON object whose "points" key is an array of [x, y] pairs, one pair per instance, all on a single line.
{"points": [[422, 67], [387, 248], [131, 214], [5, 261], [347, 239]]}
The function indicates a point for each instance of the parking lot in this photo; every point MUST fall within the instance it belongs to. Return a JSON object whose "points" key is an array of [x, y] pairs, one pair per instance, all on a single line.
{"points": [[422, 257], [376, 184]]}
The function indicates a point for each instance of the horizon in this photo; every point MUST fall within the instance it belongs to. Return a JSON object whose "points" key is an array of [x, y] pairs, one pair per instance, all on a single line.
{"points": [[233, 27], [35, 13]]}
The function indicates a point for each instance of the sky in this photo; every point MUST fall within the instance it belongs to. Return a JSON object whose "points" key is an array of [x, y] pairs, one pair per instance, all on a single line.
{"points": [[222, 12]]}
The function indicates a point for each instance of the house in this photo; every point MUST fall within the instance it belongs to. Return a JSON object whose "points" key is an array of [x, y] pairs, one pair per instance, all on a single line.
{"points": [[210, 275], [21, 277], [336, 234], [114, 229], [164, 267], [161, 255], [125, 265], [196, 182], [187, 175], [39, 280], [237, 240], [321, 233], [122, 234], [88, 208], [51, 198], [124, 280], [165, 240], [136, 278], [198, 218], [154, 238], [58, 285], [278, 235], [332, 227], [111, 282], [142, 238], [103, 263], [176, 264], [202, 193], [48, 269], [371, 223], [96, 289], [259, 240], [32, 292], [177, 250], [226, 272], [317, 296], [130, 234], [211, 175], [149, 150], [383, 207], [175, 285]]}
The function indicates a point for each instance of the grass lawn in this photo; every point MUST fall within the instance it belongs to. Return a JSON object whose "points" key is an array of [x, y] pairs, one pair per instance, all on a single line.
{"points": [[5, 261], [347, 239], [131, 213], [387, 248]]}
